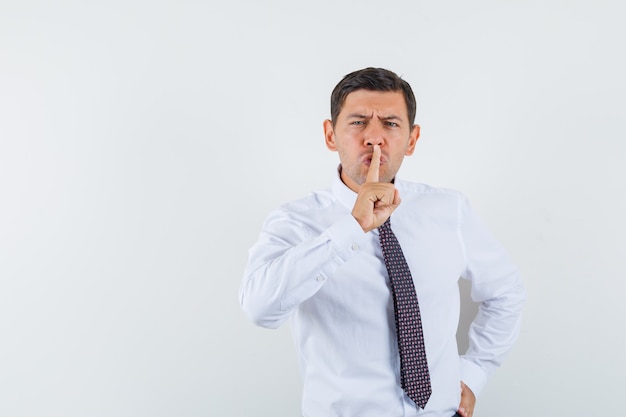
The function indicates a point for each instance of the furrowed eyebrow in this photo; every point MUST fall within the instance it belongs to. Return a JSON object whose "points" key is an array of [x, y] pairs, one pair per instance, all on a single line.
{"points": [[357, 116], [364, 116], [391, 117]]}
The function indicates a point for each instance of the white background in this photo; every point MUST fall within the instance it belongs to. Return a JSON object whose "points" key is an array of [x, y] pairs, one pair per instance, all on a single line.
{"points": [[143, 142]]}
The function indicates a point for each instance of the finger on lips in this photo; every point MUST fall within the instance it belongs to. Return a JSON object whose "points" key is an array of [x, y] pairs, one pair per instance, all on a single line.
{"points": [[373, 171]]}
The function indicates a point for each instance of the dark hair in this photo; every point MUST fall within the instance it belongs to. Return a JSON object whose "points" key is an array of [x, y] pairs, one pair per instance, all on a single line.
{"points": [[374, 79]]}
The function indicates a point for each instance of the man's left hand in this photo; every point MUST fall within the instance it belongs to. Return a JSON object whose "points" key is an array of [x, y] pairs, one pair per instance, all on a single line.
{"points": [[468, 401]]}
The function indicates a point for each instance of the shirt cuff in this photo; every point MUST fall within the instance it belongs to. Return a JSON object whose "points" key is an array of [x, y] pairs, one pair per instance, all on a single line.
{"points": [[473, 376], [346, 236]]}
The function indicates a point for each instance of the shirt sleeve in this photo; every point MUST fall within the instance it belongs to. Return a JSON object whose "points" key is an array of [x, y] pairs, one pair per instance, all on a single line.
{"points": [[290, 262], [496, 284]]}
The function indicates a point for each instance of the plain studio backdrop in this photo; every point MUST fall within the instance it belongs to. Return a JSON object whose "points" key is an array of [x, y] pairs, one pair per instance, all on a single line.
{"points": [[142, 143]]}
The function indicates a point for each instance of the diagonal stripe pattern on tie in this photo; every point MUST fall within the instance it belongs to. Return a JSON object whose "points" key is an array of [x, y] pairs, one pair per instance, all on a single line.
{"points": [[415, 378]]}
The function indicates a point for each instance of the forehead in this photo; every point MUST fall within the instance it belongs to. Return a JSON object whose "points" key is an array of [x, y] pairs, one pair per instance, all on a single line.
{"points": [[380, 102]]}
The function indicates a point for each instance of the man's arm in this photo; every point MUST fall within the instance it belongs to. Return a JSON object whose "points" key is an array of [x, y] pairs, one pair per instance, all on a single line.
{"points": [[290, 262], [497, 285]]}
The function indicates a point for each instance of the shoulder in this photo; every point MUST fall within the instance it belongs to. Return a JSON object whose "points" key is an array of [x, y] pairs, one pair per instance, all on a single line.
{"points": [[315, 201], [308, 211]]}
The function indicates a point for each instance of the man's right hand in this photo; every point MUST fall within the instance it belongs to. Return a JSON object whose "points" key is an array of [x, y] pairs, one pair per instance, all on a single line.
{"points": [[376, 200]]}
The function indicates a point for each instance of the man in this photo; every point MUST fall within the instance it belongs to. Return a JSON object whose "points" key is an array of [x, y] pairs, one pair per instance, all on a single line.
{"points": [[319, 261]]}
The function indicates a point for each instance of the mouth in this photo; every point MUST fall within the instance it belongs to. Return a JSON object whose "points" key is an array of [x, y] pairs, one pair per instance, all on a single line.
{"points": [[367, 160]]}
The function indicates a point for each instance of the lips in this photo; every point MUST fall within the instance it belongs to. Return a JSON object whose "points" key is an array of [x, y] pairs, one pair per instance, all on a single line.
{"points": [[367, 160]]}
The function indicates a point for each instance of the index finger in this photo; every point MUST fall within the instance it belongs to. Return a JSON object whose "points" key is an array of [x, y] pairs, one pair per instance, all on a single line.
{"points": [[372, 172]]}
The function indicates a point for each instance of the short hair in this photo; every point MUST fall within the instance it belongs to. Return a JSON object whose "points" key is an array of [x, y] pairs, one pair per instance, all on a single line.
{"points": [[373, 79]]}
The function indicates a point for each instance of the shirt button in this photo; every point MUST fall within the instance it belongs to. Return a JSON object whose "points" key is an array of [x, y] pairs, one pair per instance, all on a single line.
{"points": [[354, 246], [319, 278]]}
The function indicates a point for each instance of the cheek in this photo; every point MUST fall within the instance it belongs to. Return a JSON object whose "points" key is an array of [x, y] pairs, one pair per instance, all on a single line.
{"points": [[395, 163]]}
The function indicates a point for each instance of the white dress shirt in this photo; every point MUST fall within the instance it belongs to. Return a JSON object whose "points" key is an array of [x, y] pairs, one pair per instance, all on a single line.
{"points": [[314, 264]]}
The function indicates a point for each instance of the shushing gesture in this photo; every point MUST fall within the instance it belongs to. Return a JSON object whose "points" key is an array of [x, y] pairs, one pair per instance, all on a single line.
{"points": [[376, 200]]}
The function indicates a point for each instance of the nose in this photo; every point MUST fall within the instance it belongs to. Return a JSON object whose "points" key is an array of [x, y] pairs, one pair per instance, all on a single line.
{"points": [[373, 134]]}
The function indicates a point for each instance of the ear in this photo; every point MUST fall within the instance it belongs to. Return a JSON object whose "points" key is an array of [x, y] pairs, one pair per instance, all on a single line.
{"points": [[329, 135], [413, 137]]}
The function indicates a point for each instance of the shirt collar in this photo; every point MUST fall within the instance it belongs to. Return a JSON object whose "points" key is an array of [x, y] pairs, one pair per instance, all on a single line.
{"points": [[343, 193]]}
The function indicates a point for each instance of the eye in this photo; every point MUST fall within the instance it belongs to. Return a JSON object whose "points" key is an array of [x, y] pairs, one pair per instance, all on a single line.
{"points": [[391, 124], [358, 122]]}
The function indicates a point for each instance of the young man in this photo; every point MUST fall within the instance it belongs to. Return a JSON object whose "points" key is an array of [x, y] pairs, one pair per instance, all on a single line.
{"points": [[320, 261]]}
